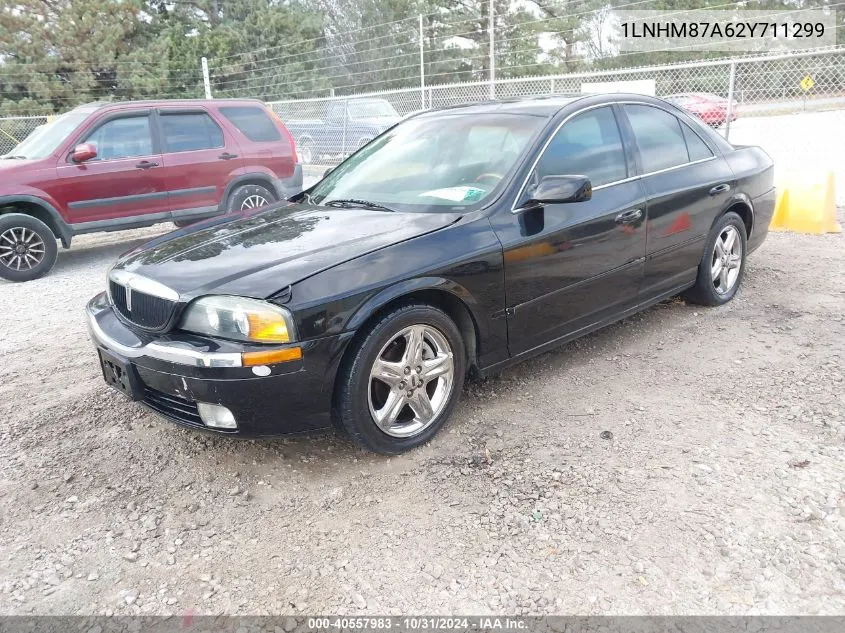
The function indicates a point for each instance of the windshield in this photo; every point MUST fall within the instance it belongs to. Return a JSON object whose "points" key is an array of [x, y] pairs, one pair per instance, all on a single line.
{"points": [[44, 139], [433, 164], [371, 109]]}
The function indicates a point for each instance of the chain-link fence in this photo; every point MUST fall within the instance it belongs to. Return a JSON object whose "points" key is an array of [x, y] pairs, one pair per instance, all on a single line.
{"points": [[793, 105], [331, 128], [15, 129]]}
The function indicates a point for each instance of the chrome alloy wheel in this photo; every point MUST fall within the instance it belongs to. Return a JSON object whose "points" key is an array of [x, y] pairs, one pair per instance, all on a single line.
{"points": [[727, 260], [253, 202], [411, 381], [21, 249]]}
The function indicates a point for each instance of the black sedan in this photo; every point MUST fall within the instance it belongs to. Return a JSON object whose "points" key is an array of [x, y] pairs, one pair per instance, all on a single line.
{"points": [[458, 242]]}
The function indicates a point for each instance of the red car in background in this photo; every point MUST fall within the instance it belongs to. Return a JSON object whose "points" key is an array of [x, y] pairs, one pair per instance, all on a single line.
{"points": [[115, 166], [710, 108]]}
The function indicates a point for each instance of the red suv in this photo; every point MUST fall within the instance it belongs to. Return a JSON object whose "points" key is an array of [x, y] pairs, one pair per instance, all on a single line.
{"points": [[115, 166]]}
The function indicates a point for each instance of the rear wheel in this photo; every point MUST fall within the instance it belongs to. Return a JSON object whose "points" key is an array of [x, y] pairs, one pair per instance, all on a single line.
{"points": [[723, 263], [402, 380], [28, 248], [305, 150], [249, 197]]}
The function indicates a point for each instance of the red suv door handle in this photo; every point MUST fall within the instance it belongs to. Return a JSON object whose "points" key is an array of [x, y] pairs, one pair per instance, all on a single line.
{"points": [[146, 164], [227, 156]]}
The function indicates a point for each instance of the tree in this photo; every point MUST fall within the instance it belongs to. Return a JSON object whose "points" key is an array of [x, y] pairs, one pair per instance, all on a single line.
{"points": [[58, 53]]}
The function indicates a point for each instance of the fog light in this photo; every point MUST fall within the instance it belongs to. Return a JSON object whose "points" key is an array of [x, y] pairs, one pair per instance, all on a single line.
{"points": [[216, 416]]}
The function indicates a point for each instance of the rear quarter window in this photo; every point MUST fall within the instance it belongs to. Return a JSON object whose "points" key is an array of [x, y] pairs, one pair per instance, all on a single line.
{"points": [[253, 122]]}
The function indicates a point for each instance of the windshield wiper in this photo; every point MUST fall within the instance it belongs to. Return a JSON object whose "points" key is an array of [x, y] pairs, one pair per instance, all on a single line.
{"points": [[12, 157], [353, 202]]}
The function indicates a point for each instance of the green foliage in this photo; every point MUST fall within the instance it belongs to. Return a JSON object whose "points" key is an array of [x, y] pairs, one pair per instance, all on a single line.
{"points": [[55, 54]]}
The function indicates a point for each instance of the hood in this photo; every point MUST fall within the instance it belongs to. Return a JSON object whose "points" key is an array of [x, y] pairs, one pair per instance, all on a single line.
{"points": [[12, 165], [257, 254]]}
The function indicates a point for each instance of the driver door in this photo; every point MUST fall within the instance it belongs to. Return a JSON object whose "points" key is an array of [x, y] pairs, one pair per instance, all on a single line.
{"points": [[568, 266]]}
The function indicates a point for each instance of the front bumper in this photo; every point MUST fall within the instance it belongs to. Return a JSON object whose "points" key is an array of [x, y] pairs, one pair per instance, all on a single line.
{"points": [[172, 373]]}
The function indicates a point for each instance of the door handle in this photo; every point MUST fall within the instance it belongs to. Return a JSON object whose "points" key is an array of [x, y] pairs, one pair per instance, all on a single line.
{"points": [[146, 164], [629, 217], [715, 191], [227, 156]]}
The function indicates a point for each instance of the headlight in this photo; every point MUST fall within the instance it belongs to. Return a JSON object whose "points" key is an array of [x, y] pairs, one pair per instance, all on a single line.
{"points": [[240, 319]]}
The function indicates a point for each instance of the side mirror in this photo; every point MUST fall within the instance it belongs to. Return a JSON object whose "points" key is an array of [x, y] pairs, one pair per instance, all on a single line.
{"points": [[328, 171], [561, 189], [83, 152]]}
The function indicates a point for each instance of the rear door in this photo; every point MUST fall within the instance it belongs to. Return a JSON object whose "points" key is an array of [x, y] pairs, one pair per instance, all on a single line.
{"points": [[124, 181], [199, 157], [263, 145], [687, 184], [334, 139]]}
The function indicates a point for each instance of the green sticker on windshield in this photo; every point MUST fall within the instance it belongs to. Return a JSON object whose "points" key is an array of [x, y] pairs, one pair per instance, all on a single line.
{"points": [[473, 194]]}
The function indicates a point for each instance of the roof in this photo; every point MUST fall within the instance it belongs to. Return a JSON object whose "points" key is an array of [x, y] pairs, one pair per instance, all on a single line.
{"points": [[96, 105], [537, 106]]}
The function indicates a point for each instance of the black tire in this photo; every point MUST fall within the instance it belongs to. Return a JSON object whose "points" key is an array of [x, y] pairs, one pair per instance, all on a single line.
{"points": [[241, 197], [183, 223], [351, 410], [706, 291], [20, 231]]}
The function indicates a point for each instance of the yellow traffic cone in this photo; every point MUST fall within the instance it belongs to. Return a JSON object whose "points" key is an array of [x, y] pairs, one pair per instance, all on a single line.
{"points": [[806, 206]]}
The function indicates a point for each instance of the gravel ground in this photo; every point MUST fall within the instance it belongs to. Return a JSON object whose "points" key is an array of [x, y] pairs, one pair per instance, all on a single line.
{"points": [[683, 461]]}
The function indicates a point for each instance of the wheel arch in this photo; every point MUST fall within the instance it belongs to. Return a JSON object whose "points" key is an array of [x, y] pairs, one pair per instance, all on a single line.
{"points": [[41, 210], [254, 178], [444, 294], [741, 205]]}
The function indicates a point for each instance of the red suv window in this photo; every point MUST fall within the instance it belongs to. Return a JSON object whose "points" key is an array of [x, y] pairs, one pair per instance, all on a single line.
{"points": [[190, 131], [253, 122]]}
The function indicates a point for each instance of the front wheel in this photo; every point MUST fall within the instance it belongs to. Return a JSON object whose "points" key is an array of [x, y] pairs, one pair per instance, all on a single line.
{"points": [[28, 247], [402, 379], [723, 263]]}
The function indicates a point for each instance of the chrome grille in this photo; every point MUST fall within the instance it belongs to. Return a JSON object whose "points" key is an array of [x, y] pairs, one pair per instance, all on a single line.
{"points": [[145, 310]]}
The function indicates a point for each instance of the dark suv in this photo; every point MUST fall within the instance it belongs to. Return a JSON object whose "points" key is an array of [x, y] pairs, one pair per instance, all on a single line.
{"points": [[115, 166]]}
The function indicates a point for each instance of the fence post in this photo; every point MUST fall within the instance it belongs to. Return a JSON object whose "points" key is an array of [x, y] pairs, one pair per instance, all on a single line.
{"points": [[345, 119], [205, 79], [422, 65], [731, 82], [491, 29]]}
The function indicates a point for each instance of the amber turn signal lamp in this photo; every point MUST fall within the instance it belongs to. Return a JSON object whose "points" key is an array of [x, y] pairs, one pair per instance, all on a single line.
{"points": [[251, 359]]}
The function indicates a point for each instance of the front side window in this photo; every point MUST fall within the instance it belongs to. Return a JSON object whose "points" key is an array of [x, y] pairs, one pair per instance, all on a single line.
{"points": [[589, 145], [371, 110], [126, 137], [659, 137], [190, 131], [433, 163]]}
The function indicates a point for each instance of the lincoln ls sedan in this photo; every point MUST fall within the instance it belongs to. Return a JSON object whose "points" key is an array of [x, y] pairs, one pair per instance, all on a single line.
{"points": [[452, 245]]}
